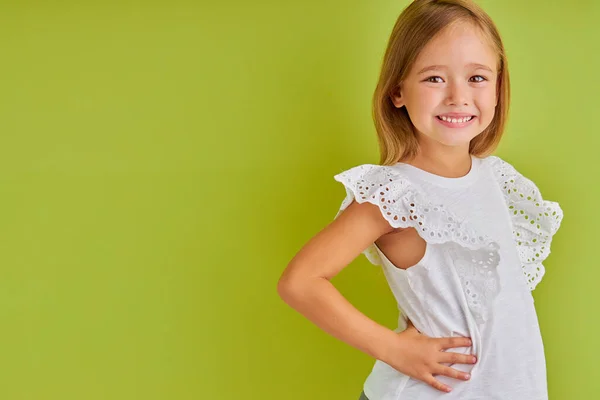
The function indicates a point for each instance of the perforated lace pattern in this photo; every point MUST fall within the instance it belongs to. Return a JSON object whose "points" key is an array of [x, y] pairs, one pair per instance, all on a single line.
{"points": [[534, 219], [404, 206]]}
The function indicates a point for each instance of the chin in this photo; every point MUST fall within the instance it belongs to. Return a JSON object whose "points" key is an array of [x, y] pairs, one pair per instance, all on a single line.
{"points": [[455, 143], [453, 140]]}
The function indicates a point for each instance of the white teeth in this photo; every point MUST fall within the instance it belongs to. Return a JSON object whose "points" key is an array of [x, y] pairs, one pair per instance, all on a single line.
{"points": [[456, 120]]}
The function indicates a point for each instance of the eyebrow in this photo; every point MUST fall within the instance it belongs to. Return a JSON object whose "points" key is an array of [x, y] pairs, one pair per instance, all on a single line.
{"points": [[440, 67]]}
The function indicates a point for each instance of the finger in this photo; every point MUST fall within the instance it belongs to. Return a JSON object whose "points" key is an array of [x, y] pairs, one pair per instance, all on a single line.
{"points": [[437, 384], [452, 373], [448, 343], [457, 358]]}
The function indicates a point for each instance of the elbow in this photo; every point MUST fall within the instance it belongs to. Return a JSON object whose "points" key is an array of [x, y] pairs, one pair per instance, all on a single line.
{"points": [[287, 288], [297, 284], [292, 287]]}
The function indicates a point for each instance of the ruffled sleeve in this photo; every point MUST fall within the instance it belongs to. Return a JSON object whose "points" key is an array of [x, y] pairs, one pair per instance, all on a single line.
{"points": [[403, 206], [378, 185], [534, 220]]}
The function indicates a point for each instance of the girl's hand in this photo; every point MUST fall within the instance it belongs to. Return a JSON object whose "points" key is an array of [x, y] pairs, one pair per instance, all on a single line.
{"points": [[420, 357]]}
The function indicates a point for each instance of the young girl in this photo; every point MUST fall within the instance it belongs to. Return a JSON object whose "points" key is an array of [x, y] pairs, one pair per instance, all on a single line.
{"points": [[460, 234]]}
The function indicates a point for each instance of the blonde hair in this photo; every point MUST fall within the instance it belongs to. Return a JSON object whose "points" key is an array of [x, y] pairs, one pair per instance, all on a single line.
{"points": [[415, 27]]}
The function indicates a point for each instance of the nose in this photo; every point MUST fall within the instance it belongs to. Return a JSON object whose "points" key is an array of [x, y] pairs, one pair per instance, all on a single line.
{"points": [[457, 94]]}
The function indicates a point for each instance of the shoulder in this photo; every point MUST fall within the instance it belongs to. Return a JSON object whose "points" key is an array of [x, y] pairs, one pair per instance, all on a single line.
{"points": [[370, 172], [366, 179], [499, 165], [384, 186], [524, 198], [507, 174]]}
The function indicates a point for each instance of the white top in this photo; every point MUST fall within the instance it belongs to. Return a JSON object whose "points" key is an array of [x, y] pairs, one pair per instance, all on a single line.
{"points": [[487, 234]]}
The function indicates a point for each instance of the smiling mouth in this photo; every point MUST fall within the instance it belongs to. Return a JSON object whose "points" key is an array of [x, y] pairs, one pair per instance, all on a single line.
{"points": [[461, 120]]}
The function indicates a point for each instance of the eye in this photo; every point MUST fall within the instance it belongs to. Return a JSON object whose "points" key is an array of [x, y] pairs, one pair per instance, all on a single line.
{"points": [[483, 79], [432, 78]]}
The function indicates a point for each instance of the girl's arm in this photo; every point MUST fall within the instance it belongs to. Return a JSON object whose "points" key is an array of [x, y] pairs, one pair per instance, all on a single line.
{"points": [[305, 284]]}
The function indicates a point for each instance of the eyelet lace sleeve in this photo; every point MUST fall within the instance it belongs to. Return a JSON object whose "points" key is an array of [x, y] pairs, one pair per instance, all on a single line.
{"points": [[534, 219], [378, 185], [403, 205]]}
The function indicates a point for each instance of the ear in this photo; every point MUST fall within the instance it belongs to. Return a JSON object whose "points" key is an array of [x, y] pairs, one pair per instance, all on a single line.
{"points": [[396, 97]]}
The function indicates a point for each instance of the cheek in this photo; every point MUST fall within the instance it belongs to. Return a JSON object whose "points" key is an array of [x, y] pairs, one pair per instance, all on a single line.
{"points": [[486, 103], [423, 103]]}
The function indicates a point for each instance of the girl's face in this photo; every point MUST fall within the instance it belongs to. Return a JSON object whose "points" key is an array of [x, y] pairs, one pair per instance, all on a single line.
{"points": [[450, 93]]}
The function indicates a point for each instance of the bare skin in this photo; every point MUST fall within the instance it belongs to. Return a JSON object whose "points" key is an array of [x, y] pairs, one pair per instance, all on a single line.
{"points": [[403, 247]]}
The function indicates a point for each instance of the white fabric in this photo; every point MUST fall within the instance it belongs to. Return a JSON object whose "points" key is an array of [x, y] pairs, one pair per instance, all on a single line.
{"points": [[487, 234]]}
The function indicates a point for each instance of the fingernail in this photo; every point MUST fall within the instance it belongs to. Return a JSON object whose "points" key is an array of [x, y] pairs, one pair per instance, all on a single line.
{"points": [[474, 359], [468, 376], [448, 389]]}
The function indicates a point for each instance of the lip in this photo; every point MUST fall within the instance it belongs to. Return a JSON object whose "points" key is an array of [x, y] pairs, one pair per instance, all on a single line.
{"points": [[456, 115], [456, 125]]}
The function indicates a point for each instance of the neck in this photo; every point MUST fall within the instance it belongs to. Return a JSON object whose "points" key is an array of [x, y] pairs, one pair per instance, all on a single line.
{"points": [[449, 162]]}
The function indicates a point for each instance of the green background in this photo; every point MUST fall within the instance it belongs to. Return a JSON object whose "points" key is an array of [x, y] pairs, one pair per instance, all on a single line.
{"points": [[162, 161]]}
